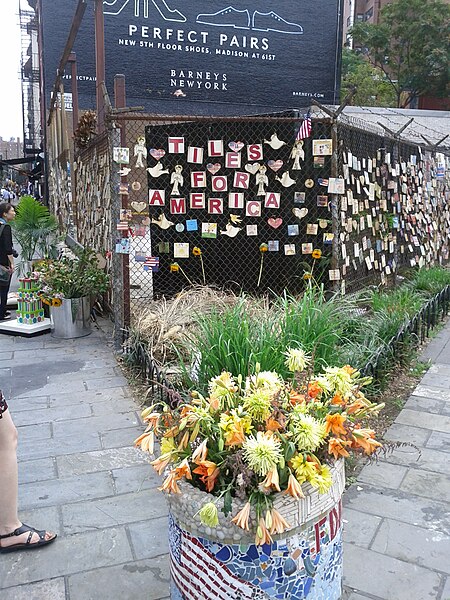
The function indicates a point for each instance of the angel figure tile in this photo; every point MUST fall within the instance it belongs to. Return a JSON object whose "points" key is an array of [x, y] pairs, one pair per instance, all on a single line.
{"points": [[140, 151], [262, 180], [177, 179], [297, 154]]}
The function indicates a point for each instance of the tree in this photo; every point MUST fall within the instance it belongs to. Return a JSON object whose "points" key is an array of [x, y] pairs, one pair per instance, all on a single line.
{"points": [[371, 85], [411, 46]]}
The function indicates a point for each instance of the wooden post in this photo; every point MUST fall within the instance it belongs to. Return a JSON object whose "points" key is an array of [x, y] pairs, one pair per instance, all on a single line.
{"points": [[100, 68]]}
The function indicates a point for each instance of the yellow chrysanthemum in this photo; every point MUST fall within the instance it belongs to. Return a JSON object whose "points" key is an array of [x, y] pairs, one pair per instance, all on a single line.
{"points": [[296, 359], [304, 470], [223, 386], [323, 480], [340, 379], [258, 404], [308, 433], [262, 452]]}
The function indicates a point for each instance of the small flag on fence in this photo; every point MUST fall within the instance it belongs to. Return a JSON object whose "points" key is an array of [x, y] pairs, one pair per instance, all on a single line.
{"points": [[305, 128], [151, 264]]}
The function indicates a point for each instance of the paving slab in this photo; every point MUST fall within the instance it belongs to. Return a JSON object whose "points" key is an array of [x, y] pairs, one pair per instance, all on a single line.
{"points": [[100, 460], [147, 579], [360, 528], [427, 484], [149, 538], [415, 545], [439, 441], [384, 474], [66, 556], [52, 589], [40, 469], [119, 510], [65, 490], [422, 419], [407, 433], [428, 459], [396, 579], [135, 479]]}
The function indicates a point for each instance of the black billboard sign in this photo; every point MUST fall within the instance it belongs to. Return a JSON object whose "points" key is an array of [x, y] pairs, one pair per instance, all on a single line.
{"points": [[218, 56]]}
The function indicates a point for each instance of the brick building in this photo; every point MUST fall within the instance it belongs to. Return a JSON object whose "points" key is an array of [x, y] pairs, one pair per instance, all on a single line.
{"points": [[12, 148]]}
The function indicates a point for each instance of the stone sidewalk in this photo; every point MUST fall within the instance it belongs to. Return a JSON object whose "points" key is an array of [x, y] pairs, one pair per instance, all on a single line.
{"points": [[397, 530], [80, 476]]}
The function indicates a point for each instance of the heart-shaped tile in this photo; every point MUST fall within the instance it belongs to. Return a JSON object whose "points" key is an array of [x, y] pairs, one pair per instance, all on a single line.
{"points": [[300, 213], [275, 222], [236, 146], [252, 168], [157, 153], [139, 206], [275, 165], [213, 168]]}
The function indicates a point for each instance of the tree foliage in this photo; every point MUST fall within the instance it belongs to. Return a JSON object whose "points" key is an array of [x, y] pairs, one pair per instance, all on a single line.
{"points": [[371, 85], [411, 46]]}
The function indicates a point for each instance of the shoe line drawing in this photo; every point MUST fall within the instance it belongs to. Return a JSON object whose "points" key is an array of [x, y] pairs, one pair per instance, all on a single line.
{"points": [[258, 21], [295, 28], [168, 14], [208, 19]]}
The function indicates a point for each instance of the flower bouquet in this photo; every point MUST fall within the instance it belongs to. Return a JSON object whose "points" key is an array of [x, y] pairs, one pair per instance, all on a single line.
{"points": [[257, 437]]}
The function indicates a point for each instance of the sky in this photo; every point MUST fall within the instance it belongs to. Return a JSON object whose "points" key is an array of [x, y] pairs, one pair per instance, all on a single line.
{"points": [[11, 124]]}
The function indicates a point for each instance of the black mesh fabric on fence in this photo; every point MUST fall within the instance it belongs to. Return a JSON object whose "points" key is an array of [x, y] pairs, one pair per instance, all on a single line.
{"points": [[275, 194]]}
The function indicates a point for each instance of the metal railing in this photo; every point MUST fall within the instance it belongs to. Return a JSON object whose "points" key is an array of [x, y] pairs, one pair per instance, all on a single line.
{"points": [[416, 330]]}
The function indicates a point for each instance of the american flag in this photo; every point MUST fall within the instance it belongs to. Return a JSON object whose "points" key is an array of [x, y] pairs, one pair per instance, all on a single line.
{"points": [[198, 575], [305, 128], [151, 263]]}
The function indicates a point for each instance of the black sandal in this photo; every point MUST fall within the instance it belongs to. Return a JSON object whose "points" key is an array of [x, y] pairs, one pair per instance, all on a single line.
{"points": [[27, 545]]}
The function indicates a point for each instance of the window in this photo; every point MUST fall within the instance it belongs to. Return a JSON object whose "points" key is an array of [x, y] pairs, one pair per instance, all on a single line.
{"points": [[360, 17], [349, 21], [369, 14]]}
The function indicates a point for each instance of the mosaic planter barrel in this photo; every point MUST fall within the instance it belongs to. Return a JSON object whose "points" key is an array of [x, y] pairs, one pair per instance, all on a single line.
{"points": [[304, 563]]}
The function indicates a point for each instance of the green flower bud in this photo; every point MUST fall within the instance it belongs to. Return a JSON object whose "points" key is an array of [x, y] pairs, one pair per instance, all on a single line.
{"points": [[209, 515]]}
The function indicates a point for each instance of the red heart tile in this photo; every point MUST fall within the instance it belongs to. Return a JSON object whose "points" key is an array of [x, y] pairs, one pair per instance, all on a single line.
{"points": [[275, 165], [157, 153], [275, 223], [213, 168], [236, 146]]}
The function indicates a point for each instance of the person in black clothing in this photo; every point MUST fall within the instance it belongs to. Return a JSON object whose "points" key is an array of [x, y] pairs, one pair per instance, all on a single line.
{"points": [[7, 253]]}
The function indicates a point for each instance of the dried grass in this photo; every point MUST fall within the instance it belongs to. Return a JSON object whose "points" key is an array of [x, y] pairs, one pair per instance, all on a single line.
{"points": [[164, 325]]}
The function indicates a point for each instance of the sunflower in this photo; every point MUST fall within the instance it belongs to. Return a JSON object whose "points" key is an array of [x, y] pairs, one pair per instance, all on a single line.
{"points": [[196, 251], [174, 267], [316, 254], [307, 276]]}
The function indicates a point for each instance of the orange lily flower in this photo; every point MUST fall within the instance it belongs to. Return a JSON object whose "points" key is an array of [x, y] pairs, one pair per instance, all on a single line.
{"points": [[170, 484], [338, 400], [184, 441], [200, 453], [242, 518], [296, 398], [314, 389], [355, 407], [365, 438], [272, 480], [273, 425], [161, 463], [262, 534], [336, 447], [279, 524], [152, 419], [183, 470], [334, 423], [294, 489], [214, 403], [209, 472], [146, 441]]}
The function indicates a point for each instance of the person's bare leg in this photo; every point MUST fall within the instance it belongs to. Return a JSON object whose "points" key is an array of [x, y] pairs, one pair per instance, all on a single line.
{"points": [[9, 520]]}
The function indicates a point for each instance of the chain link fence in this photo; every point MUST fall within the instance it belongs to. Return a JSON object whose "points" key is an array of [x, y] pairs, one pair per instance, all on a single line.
{"points": [[237, 203]]}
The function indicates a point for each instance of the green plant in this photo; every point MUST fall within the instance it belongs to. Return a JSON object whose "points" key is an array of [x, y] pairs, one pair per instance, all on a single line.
{"points": [[73, 276], [35, 230], [431, 281]]}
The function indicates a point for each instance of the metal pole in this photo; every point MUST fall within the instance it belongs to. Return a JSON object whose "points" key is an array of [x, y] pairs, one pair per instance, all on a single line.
{"points": [[100, 68], [75, 101]]}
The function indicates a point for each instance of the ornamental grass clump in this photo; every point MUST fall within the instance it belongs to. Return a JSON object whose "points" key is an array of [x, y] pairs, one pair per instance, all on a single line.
{"points": [[253, 437]]}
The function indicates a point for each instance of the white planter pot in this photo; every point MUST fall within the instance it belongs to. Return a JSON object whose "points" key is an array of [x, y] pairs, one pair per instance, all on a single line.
{"points": [[72, 319]]}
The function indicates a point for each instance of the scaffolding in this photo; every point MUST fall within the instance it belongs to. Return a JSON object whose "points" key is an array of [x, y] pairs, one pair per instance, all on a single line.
{"points": [[30, 75]]}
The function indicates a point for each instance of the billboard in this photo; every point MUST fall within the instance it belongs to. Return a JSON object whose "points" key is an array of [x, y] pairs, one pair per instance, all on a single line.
{"points": [[214, 57]]}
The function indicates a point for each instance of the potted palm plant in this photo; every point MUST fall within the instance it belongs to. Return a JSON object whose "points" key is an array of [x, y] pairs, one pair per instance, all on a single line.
{"points": [[268, 453], [35, 229], [68, 286]]}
